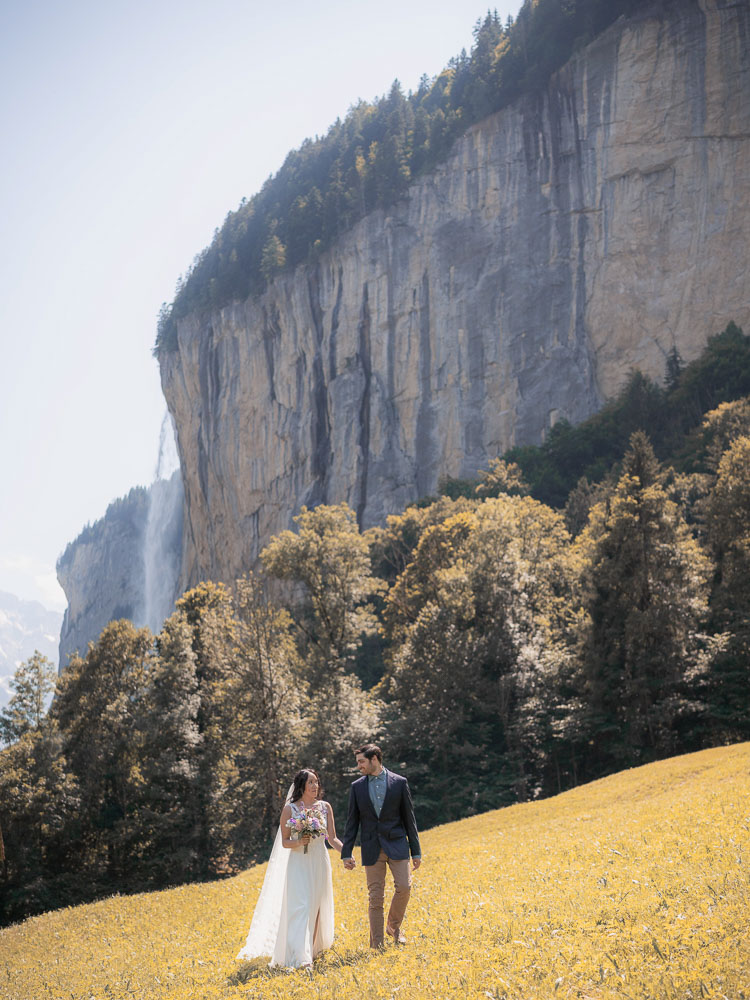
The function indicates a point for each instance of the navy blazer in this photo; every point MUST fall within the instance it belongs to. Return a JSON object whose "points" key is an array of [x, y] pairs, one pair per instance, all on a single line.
{"points": [[395, 830]]}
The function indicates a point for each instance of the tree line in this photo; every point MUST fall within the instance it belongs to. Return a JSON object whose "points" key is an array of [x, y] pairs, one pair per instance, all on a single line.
{"points": [[501, 648], [368, 159]]}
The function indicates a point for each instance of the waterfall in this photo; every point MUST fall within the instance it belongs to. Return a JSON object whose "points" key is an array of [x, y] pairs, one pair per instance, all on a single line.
{"points": [[162, 539]]}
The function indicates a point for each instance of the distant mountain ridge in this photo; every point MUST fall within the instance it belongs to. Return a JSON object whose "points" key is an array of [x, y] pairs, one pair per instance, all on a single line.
{"points": [[24, 627]]}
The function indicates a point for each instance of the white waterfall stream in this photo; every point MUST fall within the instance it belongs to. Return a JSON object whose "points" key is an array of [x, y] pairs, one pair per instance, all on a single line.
{"points": [[162, 540]]}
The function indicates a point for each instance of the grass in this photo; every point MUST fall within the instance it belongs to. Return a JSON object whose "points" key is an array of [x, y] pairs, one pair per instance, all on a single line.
{"points": [[635, 886]]}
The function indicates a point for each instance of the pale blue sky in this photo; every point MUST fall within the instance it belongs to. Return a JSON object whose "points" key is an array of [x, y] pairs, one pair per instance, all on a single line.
{"points": [[128, 132]]}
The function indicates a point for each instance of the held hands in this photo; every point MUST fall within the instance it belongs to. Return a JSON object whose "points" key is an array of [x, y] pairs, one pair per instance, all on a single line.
{"points": [[350, 863]]}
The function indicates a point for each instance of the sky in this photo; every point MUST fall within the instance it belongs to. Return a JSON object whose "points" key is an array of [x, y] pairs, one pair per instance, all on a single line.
{"points": [[129, 130]]}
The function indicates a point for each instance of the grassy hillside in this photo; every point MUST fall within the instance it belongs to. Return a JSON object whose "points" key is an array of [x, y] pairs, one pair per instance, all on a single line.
{"points": [[634, 886]]}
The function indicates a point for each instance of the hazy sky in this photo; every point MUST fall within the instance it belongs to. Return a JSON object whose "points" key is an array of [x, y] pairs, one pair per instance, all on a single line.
{"points": [[128, 133]]}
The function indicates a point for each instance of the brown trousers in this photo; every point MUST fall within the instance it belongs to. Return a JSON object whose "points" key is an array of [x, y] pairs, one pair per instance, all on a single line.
{"points": [[401, 871]]}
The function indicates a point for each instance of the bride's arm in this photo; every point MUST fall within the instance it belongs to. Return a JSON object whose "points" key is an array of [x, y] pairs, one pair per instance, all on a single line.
{"points": [[286, 841], [331, 837]]}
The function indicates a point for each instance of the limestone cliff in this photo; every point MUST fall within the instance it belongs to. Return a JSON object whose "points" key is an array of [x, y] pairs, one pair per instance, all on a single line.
{"points": [[125, 565], [568, 238], [101, 572]]}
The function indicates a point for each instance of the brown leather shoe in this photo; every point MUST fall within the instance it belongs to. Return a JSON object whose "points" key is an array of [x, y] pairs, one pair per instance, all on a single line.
{"points": [[397, 936]]}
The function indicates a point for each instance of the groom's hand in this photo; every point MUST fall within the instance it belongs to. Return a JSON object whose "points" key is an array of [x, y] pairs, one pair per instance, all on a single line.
{"points": [[415, 863], [349, 863]]}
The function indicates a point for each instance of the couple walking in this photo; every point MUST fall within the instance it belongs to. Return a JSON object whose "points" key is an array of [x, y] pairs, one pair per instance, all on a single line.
{"points": [[293, 918]]}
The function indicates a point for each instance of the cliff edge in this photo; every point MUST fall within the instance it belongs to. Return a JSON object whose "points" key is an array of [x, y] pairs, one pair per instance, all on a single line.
{"points": [[568, 238]]}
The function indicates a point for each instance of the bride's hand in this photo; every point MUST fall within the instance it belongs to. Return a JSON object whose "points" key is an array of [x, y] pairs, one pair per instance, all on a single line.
{"points": [[305, 840]]}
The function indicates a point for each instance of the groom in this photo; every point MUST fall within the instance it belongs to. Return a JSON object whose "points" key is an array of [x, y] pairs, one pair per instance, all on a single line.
{"points": [[380, 802]]}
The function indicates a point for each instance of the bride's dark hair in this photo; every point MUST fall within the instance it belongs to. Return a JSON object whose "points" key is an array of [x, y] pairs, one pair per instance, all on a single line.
{"points": [[300, 780]]}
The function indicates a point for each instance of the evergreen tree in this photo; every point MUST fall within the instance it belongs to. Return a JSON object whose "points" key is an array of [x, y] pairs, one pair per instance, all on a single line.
{"points": [[647, 598], [98, 710], [673, 369], [33, 685], [273, 257], [39, 804], [209, 612], [170, 817], [728, 531]]}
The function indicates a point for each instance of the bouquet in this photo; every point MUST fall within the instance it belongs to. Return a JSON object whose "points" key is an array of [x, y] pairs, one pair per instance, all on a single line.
{"points": [[306, 822]]}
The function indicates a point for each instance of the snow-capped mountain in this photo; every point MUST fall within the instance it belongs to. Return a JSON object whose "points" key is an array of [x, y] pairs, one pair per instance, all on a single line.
{"points": [[24, 627]]}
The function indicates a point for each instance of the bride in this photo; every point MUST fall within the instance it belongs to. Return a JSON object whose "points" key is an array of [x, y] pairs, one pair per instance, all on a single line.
{"points": [[293, 919]]}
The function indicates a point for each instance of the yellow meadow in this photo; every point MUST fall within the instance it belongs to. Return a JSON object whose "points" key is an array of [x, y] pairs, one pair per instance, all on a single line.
{"points": [[635, 886]]}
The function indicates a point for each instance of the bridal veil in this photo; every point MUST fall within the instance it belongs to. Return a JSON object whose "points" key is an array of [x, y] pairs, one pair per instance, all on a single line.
{"points": [[264, 927]]}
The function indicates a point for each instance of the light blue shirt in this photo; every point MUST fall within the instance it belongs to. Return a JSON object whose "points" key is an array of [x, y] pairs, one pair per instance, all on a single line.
{"points": [[376, 786]]}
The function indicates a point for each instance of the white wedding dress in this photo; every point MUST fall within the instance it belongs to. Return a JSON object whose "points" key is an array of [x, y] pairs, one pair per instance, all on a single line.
{"points": [[293, 918]]}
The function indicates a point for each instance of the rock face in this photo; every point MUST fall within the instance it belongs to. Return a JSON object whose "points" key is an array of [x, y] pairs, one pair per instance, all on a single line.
{"points": [[125, 565], [101, 573], [568, 238]]}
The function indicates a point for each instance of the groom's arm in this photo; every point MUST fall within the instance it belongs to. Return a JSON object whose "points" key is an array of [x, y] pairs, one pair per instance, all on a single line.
{"points": [[409, 820], [352, 825]]}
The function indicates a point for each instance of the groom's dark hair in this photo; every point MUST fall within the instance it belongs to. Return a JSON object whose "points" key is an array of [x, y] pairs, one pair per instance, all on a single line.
{"points": [[369, 750]]}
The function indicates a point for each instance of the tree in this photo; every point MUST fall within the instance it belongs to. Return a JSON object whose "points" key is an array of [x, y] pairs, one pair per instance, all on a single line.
{"points": [[478, 619], [392, 547], [38, 805], [209, 612], [329, 559], [502, 477], [728, 533], [170, 818], [647, 597], [273, 258], [673, 369], [262, 708], [98, 711], [723, 426], [33, 684]]}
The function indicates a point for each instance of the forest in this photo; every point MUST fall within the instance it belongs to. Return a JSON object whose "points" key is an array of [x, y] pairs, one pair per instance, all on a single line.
{"points": [[367, 160], [583, 607]]}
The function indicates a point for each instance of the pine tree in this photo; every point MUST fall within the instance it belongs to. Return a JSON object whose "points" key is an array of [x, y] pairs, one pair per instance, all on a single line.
{"points": [[646, 601], [673, 369], [209, 612], [98, 710], [170, 821], [33, 685]]}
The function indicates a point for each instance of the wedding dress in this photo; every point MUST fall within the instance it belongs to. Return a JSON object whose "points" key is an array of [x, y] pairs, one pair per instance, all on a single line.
{"points": [[293, 918]]}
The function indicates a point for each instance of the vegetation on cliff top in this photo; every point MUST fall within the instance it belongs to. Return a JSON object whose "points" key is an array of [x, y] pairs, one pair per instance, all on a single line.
{"points": [[630, 887], [368, 160]]}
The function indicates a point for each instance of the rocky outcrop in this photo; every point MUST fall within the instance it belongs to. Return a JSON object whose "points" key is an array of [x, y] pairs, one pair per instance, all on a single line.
{"points": [[568, 238], [125, 565], [101, 573]]}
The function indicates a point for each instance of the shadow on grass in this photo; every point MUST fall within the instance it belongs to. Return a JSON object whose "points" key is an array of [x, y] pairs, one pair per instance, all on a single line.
{"points": [[334, 958]]}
